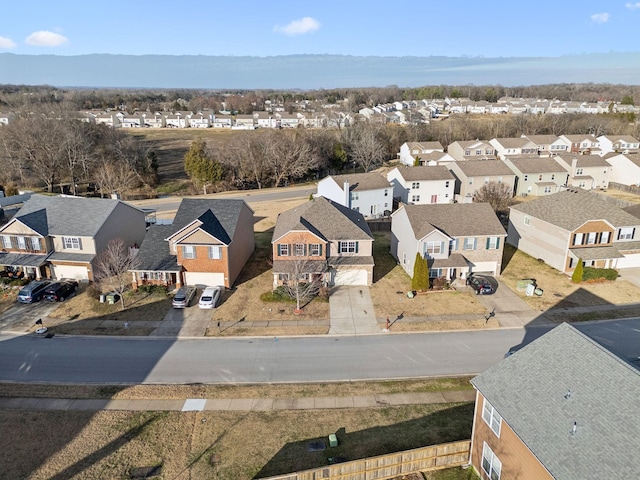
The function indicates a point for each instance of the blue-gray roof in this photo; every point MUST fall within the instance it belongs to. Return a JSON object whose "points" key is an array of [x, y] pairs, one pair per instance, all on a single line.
{"points": [[561, 378], [222, 224], [154, 252]]}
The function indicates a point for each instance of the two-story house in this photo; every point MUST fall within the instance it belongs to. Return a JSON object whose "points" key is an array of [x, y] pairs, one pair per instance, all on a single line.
{"points": [[513, 147], [60, 237], [581, 144], [625, 168], [563, 407], [585, 171], [208, 244], [410, 151], [473, 174], [471, 150], [575, 225], [618, 144], [548, 144], [324, 239], [422, 185], [367, 193], [456, 239], [536, 176]]}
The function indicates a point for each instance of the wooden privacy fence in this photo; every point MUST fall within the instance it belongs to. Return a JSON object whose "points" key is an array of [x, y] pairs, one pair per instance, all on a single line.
{"points": [[435, 457], [382, 225]]}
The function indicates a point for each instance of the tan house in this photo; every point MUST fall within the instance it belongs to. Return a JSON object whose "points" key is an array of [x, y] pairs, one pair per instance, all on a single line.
{"points": [[575, 224], [585, 171], [536, 176], [513, 147], [456, 239], [60, 237], [208, 244], [473, 174], [471, 150], [563, 407], [325, 241]]}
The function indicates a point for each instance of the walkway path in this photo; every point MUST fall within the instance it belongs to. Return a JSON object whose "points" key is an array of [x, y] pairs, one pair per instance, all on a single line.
{"points": [[238, 404], [351, 311]]}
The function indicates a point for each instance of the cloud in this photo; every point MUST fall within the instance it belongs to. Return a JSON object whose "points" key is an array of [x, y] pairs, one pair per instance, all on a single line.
{"points": [[45, 38], [632, 6], [600, 17], [6, 43], [299, 27]]}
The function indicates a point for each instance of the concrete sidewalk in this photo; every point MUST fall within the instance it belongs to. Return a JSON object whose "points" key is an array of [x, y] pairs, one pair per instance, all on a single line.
{"points": [[237, 404]]}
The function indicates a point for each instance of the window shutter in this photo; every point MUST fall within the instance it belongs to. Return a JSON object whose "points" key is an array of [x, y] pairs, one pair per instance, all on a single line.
{"points": [[278, 246], [498, 243], [441, 247], [475, 243], [320, 249], [80, 243], [488, 243], [356, 247], [633, 233]]}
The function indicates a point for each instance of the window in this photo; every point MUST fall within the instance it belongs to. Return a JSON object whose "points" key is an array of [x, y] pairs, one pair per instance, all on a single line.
{"points": [[526, 178], [493, 243], [22, 243], [355, 196], [432, 248], [315, 250], [348, 247], [553, 176], [470, 180], [71, 243], [577, 239], [579, 171], [415, 198], [446, 184], [527, 220], [470, 243], [415, 185], [386, 193], [490, 463], [591, 238], [299, 249], [626, 233], [283, 250], [6, 241], [283, 277], [582, 184], [491, 417], [189, 251], [499, 179], [35, 243], [215, 252], [540, 178], [605, 237], [547, 189], [486, 180], [436, 272], [467, 152]]}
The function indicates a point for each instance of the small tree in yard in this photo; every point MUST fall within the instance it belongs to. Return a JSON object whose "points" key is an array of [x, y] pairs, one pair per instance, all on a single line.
{"points": [[578, 272], [301, 284], [113, 266], [498, 195], [420, 280]]}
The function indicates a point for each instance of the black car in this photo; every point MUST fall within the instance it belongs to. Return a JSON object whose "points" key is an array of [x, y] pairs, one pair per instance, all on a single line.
{"points": [[58, 291], [481, 286]]}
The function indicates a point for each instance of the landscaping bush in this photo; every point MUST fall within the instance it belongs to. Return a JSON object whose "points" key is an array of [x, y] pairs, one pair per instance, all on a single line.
{"points": [[153, 289], [591, 273], [578, 272], [280, 294]]}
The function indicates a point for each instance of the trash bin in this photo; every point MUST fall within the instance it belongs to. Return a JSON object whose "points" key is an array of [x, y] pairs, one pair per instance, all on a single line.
{"points": [[112, 298], [102, 298], [411, 294], [333, 440]]}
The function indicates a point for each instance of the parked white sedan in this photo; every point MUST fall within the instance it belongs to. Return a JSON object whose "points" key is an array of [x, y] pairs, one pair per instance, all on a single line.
{"points": [[210, 297]]}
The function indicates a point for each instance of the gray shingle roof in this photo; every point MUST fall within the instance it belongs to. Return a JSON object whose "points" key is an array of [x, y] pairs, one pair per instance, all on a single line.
{"points": [[436, 172], [573, 207], [221, 225], [586, 160], [542, 139], [362, 181], [154, 252], [513, 142], [484, 168], [66, 215], [528, 390], [325, 218], [537, 165], [454, 219]]}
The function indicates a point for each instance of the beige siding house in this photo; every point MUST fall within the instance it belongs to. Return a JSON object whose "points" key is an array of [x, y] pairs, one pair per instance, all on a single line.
{"points": [[536, 176], [473, 174]]}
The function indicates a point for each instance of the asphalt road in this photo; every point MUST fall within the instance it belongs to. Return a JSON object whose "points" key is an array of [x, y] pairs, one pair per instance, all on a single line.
{"points": [[264, 360]]}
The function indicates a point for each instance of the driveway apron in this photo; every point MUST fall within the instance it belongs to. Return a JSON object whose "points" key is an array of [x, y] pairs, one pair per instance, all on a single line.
{"points": [[184, 322], [351, 311], [509, 309]]}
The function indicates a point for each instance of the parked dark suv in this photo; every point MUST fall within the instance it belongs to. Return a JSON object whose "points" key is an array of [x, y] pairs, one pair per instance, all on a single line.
{"points": [[58, 291], [33, 291], [481, 286]]}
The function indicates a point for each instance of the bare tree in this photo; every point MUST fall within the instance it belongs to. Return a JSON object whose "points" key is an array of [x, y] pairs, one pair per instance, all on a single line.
{"points": [[498, 195], [288, 156], [364, 145], [113, 266], [114, 176]]}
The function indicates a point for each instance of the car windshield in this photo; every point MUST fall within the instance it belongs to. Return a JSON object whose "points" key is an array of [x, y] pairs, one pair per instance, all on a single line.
{"points": [[179, 298], [206, 299]]}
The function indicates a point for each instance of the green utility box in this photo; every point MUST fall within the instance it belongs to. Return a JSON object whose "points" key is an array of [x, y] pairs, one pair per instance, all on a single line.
{"points": [[333, 440]]}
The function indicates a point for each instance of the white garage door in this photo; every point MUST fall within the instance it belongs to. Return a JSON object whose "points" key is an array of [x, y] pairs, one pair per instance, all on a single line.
{"points": [[351, 277], [79, 272], [204, 278], [485, 267], [629, 261]]}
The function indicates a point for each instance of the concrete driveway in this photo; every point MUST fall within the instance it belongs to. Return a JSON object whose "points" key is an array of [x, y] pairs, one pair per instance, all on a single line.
{"points": [[22, 316], [184, 322], [631, 275], [351, 311]]}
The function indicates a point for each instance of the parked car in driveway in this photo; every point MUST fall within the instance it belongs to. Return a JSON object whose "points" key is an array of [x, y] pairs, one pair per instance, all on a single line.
{"points": [[481, 286], [58, 291], [210, 297], [33, 292], [183, 297]]}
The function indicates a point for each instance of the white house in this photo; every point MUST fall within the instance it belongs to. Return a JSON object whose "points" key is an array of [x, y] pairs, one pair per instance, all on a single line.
{"points": [[585, 171], [583, 144], [367, 193], [409, 151], [510, 147], [422, 185], [471, 150], [618, 144], [548, 144], [625, 168]]}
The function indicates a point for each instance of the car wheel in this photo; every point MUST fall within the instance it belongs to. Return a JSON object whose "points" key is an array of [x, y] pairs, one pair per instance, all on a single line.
{"points": [[62, 299]]}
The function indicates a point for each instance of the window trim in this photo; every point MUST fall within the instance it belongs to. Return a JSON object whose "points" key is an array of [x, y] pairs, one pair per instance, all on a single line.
{"points": [[348, 246], [215, 248], [283, 249], [490, 415], [188, 252], [71, 243], [494, 463], [315, 250]]}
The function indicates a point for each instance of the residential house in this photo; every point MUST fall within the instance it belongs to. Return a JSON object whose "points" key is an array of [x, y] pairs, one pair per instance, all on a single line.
{"points": [[471, 150], [410, 151], [575, 224], [110, 119], [456, 239], [473, 174], [222, 121], [618, 144], [367, 193], [208, 244], [286, 120], [625, 168], [581, 144], [177, 119], [536, 176], [264, 120], [422, 185], [132, 120], [244, 122], [512, 147], [563, 407], [199, 120], [154, 120], [326, 241], [548, 144], [60, 237], [585, 171]]}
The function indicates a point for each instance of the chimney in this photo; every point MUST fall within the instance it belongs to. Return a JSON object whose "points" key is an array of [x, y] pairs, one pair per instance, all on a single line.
{"points": [[347, 195], [574, 164]]}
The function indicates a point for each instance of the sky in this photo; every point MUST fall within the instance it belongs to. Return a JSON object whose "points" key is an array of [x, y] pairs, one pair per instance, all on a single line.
{"points": [[266, 28]]}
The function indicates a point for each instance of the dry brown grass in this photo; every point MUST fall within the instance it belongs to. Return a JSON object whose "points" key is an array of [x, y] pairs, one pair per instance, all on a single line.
{"points": [[630, 197], [559, 291]]}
